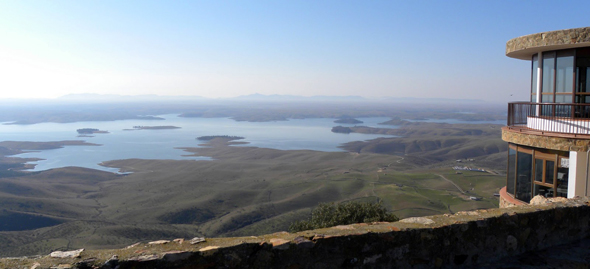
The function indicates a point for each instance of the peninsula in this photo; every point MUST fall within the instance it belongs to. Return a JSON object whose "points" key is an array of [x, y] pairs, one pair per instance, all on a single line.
{"points": [[348, 121]]}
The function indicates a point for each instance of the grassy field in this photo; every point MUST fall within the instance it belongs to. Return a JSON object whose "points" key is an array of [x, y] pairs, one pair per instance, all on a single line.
{"points": [[243, 191]]}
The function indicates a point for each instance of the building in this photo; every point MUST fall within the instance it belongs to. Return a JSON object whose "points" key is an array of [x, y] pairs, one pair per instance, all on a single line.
{"points": [[549, 135]]}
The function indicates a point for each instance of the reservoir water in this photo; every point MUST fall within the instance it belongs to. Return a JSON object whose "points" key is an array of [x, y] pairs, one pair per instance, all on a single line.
{"points": [[311, 134], [294, 134], [456, 121]]}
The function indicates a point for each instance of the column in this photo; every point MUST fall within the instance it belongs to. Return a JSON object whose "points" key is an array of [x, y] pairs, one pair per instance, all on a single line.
{"points": [[578, 174]]}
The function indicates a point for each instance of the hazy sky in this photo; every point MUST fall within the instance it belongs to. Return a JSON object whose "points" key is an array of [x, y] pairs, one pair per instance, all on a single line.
{"points": [[452, 49]]}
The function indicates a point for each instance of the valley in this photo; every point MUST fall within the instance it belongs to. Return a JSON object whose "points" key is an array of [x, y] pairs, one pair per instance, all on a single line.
{"points": [[245, 190]]}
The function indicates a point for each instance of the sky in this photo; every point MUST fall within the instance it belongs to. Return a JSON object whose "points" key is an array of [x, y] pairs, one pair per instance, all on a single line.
{"points": [[218, 49]]}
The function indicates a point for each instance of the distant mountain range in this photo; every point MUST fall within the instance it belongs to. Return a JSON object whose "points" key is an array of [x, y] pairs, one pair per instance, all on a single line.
{"points": [[256, 97], [117, 97], [279, 97]]}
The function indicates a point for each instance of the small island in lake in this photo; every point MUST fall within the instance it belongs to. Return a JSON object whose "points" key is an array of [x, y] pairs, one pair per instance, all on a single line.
{"points": [[225, 137], [341, 129], [87, 131], [348, 120], [152, 127]]}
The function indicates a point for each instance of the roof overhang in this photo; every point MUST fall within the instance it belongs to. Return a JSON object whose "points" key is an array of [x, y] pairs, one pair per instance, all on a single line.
{"points": [[525, 46]]}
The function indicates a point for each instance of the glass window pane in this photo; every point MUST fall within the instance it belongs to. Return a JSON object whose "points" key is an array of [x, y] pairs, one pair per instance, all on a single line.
{"points": [[584, 99], [562, 177], [563, 98], [538, 170], [564, 71], [511, 173], [548, 71], [543, 191], [523, 176], [547, 98], [549, 169], [582, 72], [534, 74]]}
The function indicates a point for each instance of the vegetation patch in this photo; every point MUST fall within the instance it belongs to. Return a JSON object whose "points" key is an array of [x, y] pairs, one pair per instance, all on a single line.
{"points": [[330, 214], [189, 216], [90, 131]]}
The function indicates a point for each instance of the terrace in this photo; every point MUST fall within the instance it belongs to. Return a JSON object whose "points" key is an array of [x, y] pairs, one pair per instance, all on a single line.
{"points": [[565, 120]]}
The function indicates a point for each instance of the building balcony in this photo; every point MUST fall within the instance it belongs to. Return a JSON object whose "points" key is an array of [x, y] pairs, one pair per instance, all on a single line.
{"points": [[557, 126], [554, 119]]}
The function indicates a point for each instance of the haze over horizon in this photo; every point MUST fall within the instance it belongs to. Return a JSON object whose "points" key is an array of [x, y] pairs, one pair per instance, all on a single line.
{"points": [[423, 49]]}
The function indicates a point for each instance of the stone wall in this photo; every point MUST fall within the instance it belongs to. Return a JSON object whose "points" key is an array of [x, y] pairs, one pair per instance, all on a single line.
{"points": [[465, 239], [544, 140]]}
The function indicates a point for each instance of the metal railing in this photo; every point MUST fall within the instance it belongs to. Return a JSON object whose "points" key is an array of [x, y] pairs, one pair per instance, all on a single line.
{"points": [[551, 117]]}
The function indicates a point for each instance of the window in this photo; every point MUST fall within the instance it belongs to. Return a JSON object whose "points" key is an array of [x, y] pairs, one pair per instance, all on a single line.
{"points": [[557, 76], [538, 170], [534, 71], [548, 73], [523, 176], [545, 167], [564, 72], [561, 184], [533, 171], [543, 191], [510, 174], [582, 76], [548, 172]]}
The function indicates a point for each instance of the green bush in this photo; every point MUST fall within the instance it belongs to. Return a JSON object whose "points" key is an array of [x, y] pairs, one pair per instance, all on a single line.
{"points": [[330, 214]]}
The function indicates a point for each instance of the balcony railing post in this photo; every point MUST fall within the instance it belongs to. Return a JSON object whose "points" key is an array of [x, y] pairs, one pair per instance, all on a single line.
{"points": [[510, 115]]}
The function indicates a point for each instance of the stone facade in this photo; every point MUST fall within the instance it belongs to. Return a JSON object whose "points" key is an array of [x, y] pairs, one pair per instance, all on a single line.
{"points": [[504, 203], [568, 38], [465, 239], [545, 141]]}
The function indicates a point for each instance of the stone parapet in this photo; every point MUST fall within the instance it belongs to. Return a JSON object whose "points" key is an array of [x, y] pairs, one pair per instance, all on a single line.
{"points": [[544, 141], [525, 46], [464, 239]]}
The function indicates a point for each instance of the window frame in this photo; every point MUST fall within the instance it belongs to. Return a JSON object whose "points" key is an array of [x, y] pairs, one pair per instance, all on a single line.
{"points": [[536, 154], [553, 94]]}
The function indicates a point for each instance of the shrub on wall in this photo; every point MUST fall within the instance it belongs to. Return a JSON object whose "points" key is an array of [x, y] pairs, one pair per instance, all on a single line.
{"points": [[330, 214]]}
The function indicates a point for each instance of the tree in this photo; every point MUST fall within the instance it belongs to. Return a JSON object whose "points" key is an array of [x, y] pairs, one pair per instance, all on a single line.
{"points": [[330, 214]]}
